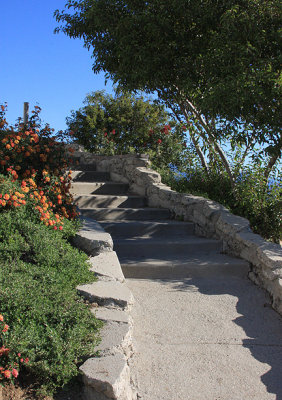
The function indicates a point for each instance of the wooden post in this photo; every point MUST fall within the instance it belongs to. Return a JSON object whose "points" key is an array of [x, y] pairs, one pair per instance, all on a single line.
{"points": [[25, 112]]}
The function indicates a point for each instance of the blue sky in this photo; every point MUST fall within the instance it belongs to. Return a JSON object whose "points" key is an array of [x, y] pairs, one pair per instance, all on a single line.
{"points": [[52, 71]]}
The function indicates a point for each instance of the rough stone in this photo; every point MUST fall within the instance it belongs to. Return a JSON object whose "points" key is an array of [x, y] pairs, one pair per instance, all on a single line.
{"points": [[118, 178], [111, 315], [92, 238], [188, 199], [108, 376], [153, 189], [116, 338], [110, 294], [134, 188], [165, 193], [210, 207], [107, 264], [148, 176], [199, 218], [228, 223]]}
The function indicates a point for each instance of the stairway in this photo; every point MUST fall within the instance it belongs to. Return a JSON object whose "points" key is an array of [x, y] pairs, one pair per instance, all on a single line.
{"points": [[202, 330], [149, 244]]}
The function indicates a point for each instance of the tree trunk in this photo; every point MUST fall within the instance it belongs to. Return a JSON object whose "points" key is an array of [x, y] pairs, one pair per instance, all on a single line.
{"points": [[211, 139], [197, 147]]}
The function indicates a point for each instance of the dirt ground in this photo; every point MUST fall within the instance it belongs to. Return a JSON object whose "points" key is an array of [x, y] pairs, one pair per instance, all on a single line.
{"points": [[11, 392]]}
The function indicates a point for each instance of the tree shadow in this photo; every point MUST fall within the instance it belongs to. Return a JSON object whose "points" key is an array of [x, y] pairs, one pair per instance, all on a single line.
{"points": [[262, 325]]}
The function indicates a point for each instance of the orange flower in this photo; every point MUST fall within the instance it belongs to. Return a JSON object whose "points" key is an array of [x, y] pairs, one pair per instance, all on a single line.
{"points": [[1, 317], [7, 374], [6, 327], [6, 196]]}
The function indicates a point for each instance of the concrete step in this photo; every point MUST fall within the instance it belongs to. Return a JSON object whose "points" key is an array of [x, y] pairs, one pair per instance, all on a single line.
{"points": [[103, 201], [112, 188], [102, 214], [148, 247], [126, 229], [197, 266], [80, 175]]}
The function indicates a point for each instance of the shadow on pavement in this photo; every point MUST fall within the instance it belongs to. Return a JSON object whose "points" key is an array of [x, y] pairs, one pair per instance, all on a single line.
{"points": [[262, 325]]}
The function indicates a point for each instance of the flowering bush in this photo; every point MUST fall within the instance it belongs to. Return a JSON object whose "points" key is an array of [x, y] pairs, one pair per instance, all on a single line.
{"points": [[33, 157], [40, 270], [10, 361]]}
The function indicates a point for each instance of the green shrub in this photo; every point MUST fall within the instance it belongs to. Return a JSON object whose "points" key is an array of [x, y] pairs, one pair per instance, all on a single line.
{"points": [[48, 321], [49, 324], [127, 123], [34, 156], [254, 199]]}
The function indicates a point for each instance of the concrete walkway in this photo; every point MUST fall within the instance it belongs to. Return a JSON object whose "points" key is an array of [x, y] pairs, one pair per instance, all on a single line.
{"points": [[202, 330], [211, 338]]}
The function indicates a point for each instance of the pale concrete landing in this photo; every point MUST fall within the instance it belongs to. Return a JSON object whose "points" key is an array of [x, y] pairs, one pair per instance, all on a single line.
{"points": [[211, 338]]}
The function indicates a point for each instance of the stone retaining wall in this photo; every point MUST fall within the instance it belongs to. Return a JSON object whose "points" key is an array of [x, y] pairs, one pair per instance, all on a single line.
{"points": [[211, 219], [107, 376]]}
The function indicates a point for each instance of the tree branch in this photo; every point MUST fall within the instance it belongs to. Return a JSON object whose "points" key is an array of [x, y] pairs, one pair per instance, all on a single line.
{"points": [[212, 139], [192, 135]]}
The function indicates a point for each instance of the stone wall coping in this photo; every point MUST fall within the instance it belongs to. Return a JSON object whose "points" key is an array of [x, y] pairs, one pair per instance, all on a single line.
{"points": [[107, 376], [211, 219], [92, 238]]}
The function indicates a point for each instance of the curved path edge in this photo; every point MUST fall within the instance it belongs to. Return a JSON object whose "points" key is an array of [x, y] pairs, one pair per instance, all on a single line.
{"points": [[107, 376], [211, 219]]}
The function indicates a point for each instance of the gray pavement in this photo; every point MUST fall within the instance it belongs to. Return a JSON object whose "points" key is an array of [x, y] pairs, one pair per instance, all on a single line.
{"points": [[206, 339]]}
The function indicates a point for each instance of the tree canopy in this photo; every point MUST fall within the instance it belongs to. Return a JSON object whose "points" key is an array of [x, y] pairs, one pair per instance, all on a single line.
{"points": [[225, 55], [215, 63], [124, 123]]}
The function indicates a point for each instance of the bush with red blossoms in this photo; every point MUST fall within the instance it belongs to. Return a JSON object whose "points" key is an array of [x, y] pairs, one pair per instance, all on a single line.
{"points": [[35, 158], [10, 361]]}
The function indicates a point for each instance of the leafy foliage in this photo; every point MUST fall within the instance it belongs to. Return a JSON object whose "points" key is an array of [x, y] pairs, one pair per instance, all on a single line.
{"points": [[217, 65], [222, 56], [126, 123], [254, 199], [48, 322], [47, 319], [33, 157]]}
